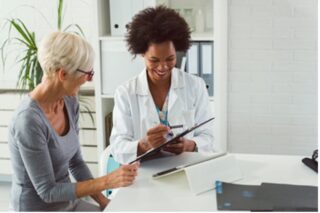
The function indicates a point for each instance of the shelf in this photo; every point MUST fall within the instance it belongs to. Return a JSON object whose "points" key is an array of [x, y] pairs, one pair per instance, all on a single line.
{"points": [[109, 96], [205, 36], [89, 85], [106, 96], [111, 38]]}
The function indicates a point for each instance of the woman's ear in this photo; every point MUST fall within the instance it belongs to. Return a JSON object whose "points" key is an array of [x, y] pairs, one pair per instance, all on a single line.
{"points": [[61, 74]]}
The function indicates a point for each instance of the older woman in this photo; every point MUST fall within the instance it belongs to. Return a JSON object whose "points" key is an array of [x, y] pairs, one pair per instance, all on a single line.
{"points": [[161, 95], [43, 136]]}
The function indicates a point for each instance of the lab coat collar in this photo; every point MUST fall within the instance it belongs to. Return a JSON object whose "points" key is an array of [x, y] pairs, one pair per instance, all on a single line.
{"points": [[143, 87]]}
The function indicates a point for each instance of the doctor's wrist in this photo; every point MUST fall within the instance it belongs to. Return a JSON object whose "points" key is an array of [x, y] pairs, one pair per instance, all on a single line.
{"points": [[195, 148], [143, 146], [192, 147]]}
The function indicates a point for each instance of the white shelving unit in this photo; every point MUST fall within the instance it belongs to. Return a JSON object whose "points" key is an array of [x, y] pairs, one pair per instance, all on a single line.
{"points": [[114, 64], [87, 135]]}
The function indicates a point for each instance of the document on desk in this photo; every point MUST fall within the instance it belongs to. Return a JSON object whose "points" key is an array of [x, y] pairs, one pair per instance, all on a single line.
{"points": [[266, 197]]}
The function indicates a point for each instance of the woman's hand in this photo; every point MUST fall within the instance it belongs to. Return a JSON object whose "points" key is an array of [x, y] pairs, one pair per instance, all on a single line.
{"points": [[154, 138], [182, 145], [101, 200], [157, 135], [124, 176], [103, 203]]}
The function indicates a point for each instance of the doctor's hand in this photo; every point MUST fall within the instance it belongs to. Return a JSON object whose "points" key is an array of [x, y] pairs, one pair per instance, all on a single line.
{"points": [[154, 138], [181, 145], [124, 176]]}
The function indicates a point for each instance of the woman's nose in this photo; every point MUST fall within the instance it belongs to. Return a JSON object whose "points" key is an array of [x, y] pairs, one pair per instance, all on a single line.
{"points": [[163, 66]]}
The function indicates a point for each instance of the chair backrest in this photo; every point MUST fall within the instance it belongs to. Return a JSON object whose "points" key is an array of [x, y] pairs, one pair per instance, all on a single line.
{"points": [[107, 165]]}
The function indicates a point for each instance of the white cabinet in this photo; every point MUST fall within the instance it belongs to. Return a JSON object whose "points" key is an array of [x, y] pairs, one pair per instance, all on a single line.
{"points": [[87, 135], [115, 65], [121, 12]]}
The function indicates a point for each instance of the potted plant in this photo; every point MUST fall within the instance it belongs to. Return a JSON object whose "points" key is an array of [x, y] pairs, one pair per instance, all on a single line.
{"points": [[30, 73]]}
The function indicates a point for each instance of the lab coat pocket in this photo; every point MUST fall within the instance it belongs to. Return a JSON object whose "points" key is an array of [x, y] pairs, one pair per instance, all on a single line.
{"points": [[188, 117], [146, 124]]}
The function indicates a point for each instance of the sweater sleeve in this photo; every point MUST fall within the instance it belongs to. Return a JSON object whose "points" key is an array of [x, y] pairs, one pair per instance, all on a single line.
{"points": [[78, 167], [31, 136]]}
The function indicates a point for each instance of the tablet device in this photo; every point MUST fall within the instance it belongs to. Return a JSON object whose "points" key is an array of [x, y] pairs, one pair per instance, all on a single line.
{"points": [[156, 149], [181, 167]]}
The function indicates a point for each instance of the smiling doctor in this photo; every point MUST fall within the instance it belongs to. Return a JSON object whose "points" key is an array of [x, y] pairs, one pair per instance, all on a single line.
{"points": [[161, 95]]}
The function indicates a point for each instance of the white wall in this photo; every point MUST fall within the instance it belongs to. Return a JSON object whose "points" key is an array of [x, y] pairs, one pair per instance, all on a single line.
{"points": [[272, 77], [41, 17], [272, 67]]}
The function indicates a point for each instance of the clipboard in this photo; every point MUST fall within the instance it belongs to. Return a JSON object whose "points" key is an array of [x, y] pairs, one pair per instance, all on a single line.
{"points": [[156, 149]]}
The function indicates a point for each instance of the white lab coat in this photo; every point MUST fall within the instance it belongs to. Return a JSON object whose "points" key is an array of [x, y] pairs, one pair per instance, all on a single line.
{"points": [[135, 112]]}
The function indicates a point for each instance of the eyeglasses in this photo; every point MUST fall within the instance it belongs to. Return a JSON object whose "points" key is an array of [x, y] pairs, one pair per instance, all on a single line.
{"points": [[88, 73]]}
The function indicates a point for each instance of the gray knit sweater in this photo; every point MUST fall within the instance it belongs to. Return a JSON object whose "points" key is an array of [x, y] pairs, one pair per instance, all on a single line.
{"points": [[42, 159]]}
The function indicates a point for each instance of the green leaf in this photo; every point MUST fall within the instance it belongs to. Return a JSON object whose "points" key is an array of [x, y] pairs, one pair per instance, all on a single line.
{"points": [[60, 7], [77, 27], [85, 107], [20, 81], [27, 32], [23, 42], [39, 73], [32, 69], [3, 55], [20, 31]]}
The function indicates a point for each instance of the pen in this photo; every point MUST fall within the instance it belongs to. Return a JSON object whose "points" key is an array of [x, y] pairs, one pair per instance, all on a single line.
{"points": [[176, 126], [170, 134]]}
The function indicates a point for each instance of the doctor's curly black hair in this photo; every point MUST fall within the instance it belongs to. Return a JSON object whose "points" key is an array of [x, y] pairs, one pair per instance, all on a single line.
{"points": [[157, 25]]}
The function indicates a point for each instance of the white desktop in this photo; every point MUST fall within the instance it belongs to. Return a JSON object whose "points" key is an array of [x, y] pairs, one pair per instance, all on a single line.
{"points": [[172, 193]]}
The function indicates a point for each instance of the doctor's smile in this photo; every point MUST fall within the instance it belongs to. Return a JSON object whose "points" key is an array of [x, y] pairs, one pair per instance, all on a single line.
{"points": [[160, 59]]}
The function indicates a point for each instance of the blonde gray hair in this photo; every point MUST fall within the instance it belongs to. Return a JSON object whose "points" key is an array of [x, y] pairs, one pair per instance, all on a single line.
{"points": [[65, 50]]}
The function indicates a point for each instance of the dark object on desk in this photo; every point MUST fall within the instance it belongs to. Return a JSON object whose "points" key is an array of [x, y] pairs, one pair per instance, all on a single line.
{"points": [[239, 197], [312, 163], [285, 197], [266, 197], [171, 140]]}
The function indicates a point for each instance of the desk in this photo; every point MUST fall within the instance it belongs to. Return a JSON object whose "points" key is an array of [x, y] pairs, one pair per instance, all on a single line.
{"points": [[171, 193]]}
